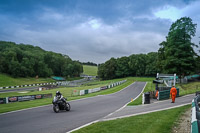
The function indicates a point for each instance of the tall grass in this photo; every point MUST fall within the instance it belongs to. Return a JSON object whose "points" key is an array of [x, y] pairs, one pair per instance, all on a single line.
{"points": [[188, 88]]}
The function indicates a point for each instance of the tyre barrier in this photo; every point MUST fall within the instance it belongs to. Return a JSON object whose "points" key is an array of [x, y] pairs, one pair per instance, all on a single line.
{"points": [[83, 92], [146, 98], [24, 98], [195, 117]]}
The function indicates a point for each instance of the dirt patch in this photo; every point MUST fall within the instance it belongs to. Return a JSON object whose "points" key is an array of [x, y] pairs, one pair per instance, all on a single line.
{"points": [[183, 125]]}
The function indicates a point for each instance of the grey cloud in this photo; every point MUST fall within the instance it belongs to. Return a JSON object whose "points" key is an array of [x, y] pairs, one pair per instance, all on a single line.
{"points": [[85, 43], [96, 36]]}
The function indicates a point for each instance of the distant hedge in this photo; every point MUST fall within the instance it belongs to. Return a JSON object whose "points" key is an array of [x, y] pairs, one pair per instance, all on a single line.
{"points": [[89, 63]]}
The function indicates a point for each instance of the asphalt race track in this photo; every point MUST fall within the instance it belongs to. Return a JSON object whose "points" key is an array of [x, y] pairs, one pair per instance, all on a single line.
{"points": [[44, 120]]}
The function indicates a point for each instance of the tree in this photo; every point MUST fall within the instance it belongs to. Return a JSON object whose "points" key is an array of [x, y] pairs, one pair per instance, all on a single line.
{"points": [[198, 63], [151, 64], [161, 57], [177, 52], [134, 65], [122, 69], [108, 69], [137, 64], [101, 72]]}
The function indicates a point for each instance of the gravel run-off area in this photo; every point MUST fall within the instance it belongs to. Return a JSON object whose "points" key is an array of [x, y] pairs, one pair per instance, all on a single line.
{"points": [[183, 125]]}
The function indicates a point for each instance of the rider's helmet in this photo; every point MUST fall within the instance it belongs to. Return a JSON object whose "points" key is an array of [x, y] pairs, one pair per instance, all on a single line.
{"points": [[58, 94]]}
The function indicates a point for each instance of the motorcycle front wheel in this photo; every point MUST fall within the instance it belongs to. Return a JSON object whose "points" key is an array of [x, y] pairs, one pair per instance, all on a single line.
{"points": [[55, 108], [67, 107]]}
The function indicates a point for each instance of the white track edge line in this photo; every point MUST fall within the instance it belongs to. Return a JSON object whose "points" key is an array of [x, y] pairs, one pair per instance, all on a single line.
{"points": [[82, 126], [108, 114], [120, 90], [105, 94], [128, 102], [125, 116]]}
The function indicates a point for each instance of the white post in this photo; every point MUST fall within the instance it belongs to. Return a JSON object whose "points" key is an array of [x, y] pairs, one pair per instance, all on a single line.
{"points": [[174, 79], [7, 100], [143, 98], [157, 75]]}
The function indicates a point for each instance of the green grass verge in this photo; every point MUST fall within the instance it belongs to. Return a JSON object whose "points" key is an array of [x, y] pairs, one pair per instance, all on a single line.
{"points": [[90, 70], [66, 91], [188, 88], [157, 122], [6, 80]]}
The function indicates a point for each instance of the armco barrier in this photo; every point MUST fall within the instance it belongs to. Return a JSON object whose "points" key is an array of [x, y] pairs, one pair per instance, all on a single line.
{"points": [[108, 86], [104, 88], [195, 121], [47, 95], [165, 94], [83, 92], [53, 83], [24, 98], [86, 91], [3, 100]]}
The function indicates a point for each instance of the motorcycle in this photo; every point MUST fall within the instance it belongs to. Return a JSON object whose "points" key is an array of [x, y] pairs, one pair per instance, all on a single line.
{"points": [[58, 105]]}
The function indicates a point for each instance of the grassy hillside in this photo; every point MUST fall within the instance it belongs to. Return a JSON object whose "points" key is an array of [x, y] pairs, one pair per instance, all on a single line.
{"points": [[6, 80], [27, 63], [90, 70]]}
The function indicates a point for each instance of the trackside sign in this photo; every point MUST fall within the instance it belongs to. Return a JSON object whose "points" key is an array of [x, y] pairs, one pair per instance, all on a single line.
{"points": [[24, 98]]}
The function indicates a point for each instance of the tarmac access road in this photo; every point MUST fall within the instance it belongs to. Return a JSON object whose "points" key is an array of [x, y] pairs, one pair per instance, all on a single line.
{"points": [[83, 111], [148, 108]]}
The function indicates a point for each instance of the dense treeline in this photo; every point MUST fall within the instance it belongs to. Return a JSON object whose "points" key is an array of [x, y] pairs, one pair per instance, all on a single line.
{"points": [[175, 55], [20, 60], [89, 63], [134, 65]]}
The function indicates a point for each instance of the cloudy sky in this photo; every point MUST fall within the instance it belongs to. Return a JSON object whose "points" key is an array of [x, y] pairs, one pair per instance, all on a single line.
{"points": [[94, 30]]}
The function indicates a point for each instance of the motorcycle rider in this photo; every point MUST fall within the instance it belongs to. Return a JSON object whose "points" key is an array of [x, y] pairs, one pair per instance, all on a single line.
{"points": [[60, 97]]}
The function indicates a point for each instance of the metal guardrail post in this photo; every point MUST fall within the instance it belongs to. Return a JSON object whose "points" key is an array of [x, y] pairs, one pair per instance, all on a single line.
{"points": [[194, 121]]}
